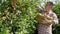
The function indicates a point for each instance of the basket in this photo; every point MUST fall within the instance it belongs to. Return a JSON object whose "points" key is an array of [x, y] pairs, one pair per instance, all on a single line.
{"points": [[40, 17]]}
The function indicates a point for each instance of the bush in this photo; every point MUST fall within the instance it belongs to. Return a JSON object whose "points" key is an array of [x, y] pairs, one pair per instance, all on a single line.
{"points": [[17, 16]]}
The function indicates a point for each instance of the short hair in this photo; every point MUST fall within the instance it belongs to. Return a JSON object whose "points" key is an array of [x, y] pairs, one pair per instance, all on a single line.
{"points": [[50, 3]]}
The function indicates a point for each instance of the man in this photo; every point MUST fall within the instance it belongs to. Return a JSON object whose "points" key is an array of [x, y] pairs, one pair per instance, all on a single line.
{"points": [[46, 28]]}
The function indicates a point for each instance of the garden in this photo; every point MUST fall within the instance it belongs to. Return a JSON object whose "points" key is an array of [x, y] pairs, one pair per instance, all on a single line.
{"points": [[18, 17]]}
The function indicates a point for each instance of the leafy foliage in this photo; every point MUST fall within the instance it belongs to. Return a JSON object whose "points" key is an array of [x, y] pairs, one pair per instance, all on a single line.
{"points": [[17, 16]]}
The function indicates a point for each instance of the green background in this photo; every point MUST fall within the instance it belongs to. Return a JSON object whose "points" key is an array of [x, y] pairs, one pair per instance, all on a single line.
{"points": [[20, 18]]}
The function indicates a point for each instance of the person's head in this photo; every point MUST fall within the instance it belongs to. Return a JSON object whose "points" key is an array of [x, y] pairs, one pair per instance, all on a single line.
{"points": [[49, 6]]}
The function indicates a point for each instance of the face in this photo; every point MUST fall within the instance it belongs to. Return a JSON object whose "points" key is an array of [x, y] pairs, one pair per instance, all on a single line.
{"points": [[48, 7]]}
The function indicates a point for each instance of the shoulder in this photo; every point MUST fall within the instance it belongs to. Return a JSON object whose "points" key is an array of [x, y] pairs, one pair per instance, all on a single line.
{"points": [[51, 12], [54, 14]]}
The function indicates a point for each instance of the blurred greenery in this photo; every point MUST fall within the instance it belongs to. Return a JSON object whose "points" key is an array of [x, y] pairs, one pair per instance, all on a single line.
{"points": [[17, 17]]}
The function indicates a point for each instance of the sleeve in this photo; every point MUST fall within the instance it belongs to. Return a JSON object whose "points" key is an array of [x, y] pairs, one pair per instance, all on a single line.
{"points": [[55, 19]]}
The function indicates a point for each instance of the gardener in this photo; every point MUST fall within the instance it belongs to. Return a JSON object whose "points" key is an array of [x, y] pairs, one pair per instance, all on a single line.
{"points": [[46, 28]]}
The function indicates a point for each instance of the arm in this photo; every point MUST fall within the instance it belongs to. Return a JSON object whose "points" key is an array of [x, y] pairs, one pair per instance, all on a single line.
{"points": [[55, 20]]}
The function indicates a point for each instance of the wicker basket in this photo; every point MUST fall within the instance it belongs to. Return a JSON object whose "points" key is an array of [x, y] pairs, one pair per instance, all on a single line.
{"points": [[40, 17]]}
